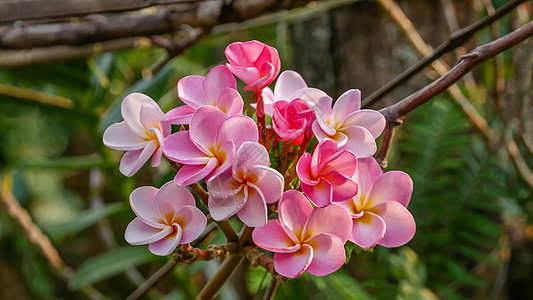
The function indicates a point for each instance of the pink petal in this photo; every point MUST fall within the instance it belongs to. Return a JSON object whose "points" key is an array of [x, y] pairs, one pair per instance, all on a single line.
{"points": [[225, 157], [144, 204], [323, 115], [180, 115], [391, 186], [328, 254], [320, 194], [249, 155], [246, 53], [267, 75], [347, 103], [318, 132], [331, 219], [222, 185], [167, 245], [268, 101], [303, 170], [238, 129], [293, 264], [192, 222], [230, 102], [288, 83], [139, 233], [273, 238], [191, 91], [360, 141], [223, 207], [133, 160], [323, 151], [310, 96], [254, 212], [343, 186], [368, 170], [205, 124], [343, 161], [151, 116], [179, 147], [269, 181], [400, 225], [372, 120], [217, 79], [293, 211], [120, 136], [170, 198], [131, 110], [247, 74], [156, 158], [190, 174], [368, 230]]}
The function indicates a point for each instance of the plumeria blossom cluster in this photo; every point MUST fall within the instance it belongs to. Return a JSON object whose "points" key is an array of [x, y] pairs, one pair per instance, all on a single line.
{"points": [[302, 175]]}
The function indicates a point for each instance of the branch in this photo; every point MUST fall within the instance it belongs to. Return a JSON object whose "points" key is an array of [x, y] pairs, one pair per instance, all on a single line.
{"points": [[34, 95], [18, 10], [271, 289], [214, 284], [517, 159], [455, 40], [203, 15]]}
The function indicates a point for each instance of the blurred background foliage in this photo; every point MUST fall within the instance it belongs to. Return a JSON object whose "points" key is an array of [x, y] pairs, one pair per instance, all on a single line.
{"points": [[473, 210]]}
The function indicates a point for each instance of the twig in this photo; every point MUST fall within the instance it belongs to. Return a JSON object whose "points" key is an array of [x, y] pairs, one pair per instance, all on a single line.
{"points": [[34, 95], [271, 289], [143, 288], [455, 40], [39, 239], [499, 82], [226, 269], [517, 159]]}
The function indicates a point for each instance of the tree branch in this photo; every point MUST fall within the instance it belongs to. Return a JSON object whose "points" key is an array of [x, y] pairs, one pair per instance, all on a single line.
{"points": [[455, 40], [226, 269]]}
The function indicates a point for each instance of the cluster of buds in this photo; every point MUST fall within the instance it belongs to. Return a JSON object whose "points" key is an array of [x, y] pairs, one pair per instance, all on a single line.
{"points": [[306, 208]]}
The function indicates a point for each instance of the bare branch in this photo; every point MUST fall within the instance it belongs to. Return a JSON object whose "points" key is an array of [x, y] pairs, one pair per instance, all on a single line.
{"points": [[455, 40], [18, 10], [518, 160], [223, 273], [36, 96]]}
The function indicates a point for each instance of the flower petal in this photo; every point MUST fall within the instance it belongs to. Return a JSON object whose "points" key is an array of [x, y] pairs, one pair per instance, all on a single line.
{"points": [[192, 221], [323, 115], [272, 237], [320, 194], [309, 95], [205, 124], [225, 157], [152, 116], [348, 102], [293, 264], [400, 224], [180, 115], [156, 158], [331, 219], [238, 129], [269, 181], [254, 212], [372, 120], [144, 204], [217, 79], [328, 254], [368, 170], [343, 161], [391, 186], [170, 198], [133, 160], [288, 83], [249, 155], [167, 245], [230, 102], [344, 187], [120, 136], [323, 151], [360, 141], [179, 147], [191, 91], [189, 174], [131, 110], [223, 207], [368, 230], [303, 170], [139, 233], [293, 211]]}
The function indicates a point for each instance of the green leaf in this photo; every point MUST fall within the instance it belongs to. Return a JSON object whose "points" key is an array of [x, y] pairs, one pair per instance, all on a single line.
{"points": [[110, 264], [68, 163], [85, 219]]}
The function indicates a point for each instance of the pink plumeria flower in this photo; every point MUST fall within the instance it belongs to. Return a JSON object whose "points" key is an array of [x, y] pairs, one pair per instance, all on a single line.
{"points": [[305, 239], [218, 89], [379, 211], [246, 189], [292, 121], [347, 124], [326, 176], [254, 63], [140, 134], [208, 148], [289, 86], [166, 217]]}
